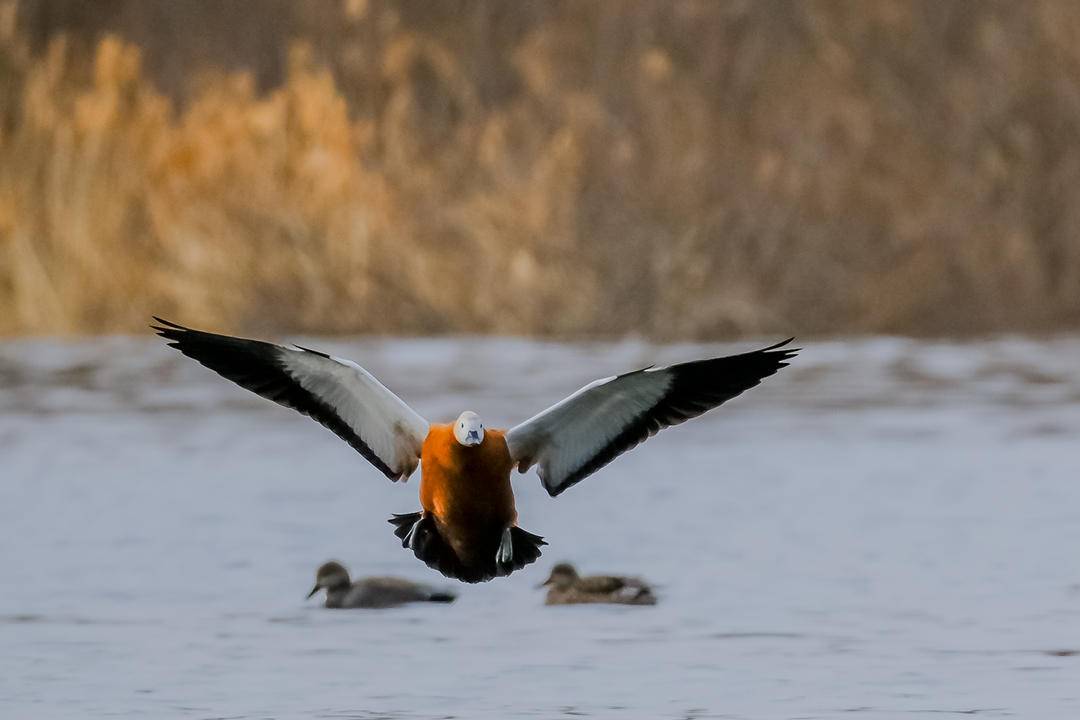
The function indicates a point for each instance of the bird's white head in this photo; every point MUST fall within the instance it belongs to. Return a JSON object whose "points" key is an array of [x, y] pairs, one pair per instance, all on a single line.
{"points": [[469, 429]]}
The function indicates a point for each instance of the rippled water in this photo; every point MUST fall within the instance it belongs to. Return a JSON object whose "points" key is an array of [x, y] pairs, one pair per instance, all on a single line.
{"points": [[887, 529]]}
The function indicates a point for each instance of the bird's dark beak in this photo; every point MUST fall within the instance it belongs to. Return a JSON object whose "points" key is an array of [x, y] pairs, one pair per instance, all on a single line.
{"points": [[313, 591], [544, 584], [473, 435]]}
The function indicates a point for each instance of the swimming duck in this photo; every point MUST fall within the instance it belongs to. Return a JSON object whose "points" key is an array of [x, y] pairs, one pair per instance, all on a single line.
{"points": [[467, 527], [370, 592], [566, 587]]}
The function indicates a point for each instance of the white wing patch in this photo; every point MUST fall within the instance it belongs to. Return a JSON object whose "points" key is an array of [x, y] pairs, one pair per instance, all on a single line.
{"points": [[604, 419], [338, 394], [565, 437], [391, 429]]}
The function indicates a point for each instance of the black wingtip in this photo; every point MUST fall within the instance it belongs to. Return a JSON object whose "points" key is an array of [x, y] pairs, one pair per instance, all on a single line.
{"points": [[167, 323], [170, 330], [780, 352], [781, 344], [313, 352]]}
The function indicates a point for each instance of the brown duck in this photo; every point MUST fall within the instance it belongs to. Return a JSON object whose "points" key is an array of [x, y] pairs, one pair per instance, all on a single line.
{"points": [[566, 587], [371, 592]]}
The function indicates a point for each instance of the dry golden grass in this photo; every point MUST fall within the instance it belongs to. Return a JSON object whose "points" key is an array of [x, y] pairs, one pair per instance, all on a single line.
{"points": [[688, 169]]}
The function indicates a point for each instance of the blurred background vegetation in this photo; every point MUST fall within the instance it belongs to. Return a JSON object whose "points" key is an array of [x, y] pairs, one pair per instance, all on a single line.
{"points": [[676, 169]]}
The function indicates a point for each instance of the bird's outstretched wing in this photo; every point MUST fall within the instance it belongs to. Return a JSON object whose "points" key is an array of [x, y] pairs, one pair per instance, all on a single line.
{"points": [[581, 434], [339, 394]]}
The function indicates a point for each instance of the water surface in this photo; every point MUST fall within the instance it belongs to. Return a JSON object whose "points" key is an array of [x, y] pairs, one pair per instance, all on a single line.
{"points": [[887, 529]]}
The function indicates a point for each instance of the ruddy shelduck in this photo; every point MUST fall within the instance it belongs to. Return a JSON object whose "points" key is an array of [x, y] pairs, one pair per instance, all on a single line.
{"points": [[467, 528]]}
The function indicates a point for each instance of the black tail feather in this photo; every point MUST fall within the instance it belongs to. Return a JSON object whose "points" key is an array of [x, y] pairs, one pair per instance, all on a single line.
{"points": [[418, 533], [526, 551], [403, 523]]}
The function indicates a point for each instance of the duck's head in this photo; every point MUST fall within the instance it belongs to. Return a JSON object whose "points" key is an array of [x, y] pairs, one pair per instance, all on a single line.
{"points": [[469, 429], [329, 576], [562, 576]]}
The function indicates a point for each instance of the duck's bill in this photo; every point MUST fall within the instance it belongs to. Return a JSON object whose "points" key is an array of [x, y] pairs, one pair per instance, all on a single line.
{"points": [[313, 591], [544, 584]]}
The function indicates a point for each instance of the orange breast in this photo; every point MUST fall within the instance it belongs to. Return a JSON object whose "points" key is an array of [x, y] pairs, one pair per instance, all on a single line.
{"points": [[467, 489]]}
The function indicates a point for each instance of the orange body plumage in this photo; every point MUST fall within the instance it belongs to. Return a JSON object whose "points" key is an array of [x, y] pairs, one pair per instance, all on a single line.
{"points": [[467, 491]]}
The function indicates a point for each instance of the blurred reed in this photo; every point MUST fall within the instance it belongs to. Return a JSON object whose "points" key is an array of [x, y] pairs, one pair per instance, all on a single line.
{"points": [[685, 169]]}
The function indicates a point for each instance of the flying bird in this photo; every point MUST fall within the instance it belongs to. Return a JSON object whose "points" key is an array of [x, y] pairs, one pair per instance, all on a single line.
{"points": [[467, 527]]}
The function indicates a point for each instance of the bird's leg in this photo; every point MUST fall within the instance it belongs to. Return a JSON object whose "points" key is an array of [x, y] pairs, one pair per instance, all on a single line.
{"points": [[505, 554]]}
